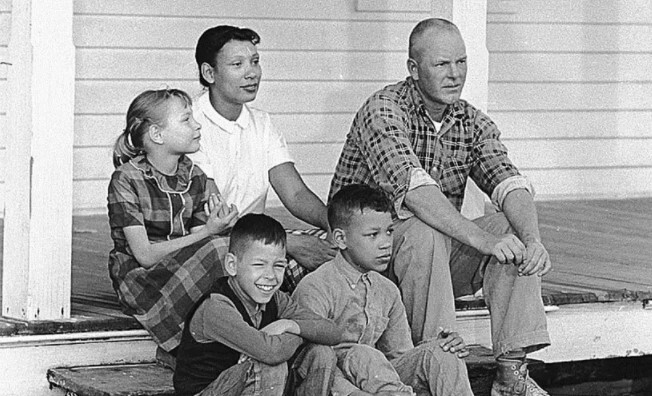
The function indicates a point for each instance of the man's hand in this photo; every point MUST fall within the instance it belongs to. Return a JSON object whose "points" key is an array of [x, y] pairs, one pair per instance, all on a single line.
{"points": [[281, 326], [451, 342], [537, 259], [508, 249], [310, 251]]}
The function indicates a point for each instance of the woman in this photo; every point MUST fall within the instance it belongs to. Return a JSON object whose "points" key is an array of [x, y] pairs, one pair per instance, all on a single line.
{"points": [[240, 149]]}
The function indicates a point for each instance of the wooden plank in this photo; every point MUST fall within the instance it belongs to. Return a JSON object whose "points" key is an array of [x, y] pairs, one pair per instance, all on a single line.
{"points": [[113, 97], [592, 183], [562, 11], [422, 6], [580, 153], [26, 374], [569, 96], [101, 130], [334, 10], [4, 57], [182, 33], [535, 67], [149, 379], [573, 124], [3, 99], [321, 158], [179, 64], [576, 37], [5, 27], [89, 196]]}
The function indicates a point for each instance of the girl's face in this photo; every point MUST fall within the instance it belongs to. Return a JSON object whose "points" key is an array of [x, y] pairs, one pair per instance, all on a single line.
{"points": [[236, 76], [181, 132]]}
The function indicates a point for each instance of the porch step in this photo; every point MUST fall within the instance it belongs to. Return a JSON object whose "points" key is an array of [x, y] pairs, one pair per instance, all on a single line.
{"points": [[144, 379], [152, 379]]}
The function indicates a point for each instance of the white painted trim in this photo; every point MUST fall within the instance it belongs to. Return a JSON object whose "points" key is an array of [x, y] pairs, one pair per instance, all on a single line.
{"points": [[38, 191], [581, 332], [71, 338]]}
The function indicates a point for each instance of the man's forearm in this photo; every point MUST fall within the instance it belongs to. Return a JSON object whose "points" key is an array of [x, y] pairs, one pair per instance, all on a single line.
{"points": [[521, 213], [430, 205]]}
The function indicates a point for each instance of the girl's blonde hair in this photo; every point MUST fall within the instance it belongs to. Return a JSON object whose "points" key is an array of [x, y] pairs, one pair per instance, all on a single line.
{"points": [[148, 108]]}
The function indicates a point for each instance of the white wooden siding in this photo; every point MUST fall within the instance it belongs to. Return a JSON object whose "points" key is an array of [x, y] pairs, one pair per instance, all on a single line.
{"points": [[5, 26], [570, 88], [320, 62], [569, 81]]}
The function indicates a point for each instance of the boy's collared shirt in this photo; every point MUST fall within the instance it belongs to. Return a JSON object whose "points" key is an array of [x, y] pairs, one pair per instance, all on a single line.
{"points": [[367, 306]]}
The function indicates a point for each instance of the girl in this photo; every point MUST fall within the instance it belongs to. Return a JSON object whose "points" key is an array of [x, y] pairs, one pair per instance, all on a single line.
{"points": [[163, 219]]}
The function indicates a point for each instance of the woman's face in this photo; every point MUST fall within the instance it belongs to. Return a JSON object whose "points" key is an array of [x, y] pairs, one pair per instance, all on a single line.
{"points": [[236, 76]]}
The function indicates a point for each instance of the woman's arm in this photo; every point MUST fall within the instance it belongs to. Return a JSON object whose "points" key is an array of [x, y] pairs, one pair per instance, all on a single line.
{"points": [[309, 251], [296, 196]]}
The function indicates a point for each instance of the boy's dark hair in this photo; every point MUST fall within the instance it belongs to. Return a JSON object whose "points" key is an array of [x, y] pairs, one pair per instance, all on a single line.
{"points": [[255, 227], [354, 199], [212, 41]]}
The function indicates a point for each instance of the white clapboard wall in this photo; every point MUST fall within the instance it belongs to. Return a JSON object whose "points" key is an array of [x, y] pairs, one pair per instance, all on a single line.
{"points": [[569, 81], [570, 87]]}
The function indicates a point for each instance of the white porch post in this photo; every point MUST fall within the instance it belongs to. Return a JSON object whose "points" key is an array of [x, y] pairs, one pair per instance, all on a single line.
{"points": [[38, 200], [470, 16]]}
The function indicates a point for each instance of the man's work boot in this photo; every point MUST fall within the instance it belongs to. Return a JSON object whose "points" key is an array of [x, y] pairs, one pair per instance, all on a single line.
{"points": [[512, 379]]}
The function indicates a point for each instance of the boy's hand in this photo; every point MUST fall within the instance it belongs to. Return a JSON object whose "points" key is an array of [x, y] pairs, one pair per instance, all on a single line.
{"points": [[221, 216], [451, 342], [281, 326]]}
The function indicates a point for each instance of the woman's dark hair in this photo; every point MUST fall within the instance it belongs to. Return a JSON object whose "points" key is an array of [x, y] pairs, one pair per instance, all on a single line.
{"points": [[212, 41], [148, 108]]}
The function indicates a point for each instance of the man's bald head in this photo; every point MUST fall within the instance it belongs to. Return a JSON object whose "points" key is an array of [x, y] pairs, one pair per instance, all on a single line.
{"points": [[431, 25]]}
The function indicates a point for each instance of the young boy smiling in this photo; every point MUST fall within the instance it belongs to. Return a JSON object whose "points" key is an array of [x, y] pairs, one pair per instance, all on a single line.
{"points": [[377, 356], [240, 336]]}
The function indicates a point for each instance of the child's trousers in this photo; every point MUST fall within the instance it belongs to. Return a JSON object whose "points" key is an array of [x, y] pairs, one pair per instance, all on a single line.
{"points": [[425, 370], [312, 374], [249, 378]]}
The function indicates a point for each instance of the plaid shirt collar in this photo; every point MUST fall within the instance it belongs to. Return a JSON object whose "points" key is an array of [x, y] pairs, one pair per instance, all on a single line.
{"points": [[181, 178], [452, 113]]}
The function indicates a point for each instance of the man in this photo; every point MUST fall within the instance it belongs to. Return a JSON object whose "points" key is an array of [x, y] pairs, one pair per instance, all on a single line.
{"points": [[420, 143]]}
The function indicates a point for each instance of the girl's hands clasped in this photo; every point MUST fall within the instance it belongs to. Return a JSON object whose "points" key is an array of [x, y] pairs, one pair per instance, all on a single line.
{"points": [[221, 216]]}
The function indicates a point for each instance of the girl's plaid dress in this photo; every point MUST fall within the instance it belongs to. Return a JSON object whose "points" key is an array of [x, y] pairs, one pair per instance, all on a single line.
{"points": [[160, 297]]}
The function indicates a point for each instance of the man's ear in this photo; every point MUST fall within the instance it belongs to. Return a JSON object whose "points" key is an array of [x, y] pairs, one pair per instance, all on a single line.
{"points": [[154, 132], [231, 264], [413, 68], [208, 72], [339, 237]]}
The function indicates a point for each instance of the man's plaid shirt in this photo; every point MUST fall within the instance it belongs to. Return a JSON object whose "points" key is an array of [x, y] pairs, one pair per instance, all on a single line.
{"points": [[393, 144]]}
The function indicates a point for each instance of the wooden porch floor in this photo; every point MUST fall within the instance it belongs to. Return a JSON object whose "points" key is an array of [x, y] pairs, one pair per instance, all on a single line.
{"points": [[601, 251]]}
